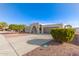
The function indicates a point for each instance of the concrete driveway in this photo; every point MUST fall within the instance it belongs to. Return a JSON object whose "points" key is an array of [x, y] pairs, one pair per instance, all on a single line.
{"points": [[20, 45], [5, 47]]}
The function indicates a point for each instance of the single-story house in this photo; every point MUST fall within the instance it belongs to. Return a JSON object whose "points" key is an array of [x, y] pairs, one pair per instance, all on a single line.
{"points": [[37, 28]]}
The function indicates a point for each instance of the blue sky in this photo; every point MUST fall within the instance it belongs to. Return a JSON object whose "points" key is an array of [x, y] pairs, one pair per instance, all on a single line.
{"points": [[44, 13]]}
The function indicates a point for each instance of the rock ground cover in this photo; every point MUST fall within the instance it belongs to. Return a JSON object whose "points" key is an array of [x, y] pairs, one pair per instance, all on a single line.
{"points": [[57, 49]]}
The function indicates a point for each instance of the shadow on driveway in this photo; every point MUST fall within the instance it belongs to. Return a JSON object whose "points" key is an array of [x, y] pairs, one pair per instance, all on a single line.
{"points": [[38, 41], [41, 42]]}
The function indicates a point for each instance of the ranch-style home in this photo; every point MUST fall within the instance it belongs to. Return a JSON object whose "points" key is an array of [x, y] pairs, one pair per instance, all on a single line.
{"points": [[37, 28]]}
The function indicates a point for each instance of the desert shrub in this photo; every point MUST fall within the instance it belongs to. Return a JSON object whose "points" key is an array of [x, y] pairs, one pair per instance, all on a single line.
{"points": [[63, 35]]}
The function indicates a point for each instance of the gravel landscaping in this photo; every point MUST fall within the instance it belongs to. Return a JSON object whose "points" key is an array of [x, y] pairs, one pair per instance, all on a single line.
{"points": [[57, 49]]}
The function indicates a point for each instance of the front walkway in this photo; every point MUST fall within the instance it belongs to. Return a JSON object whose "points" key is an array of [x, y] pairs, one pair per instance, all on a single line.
{"points": [[24, 44]]}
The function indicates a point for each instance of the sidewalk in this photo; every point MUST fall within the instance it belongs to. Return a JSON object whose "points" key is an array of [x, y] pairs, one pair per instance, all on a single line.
{"points": [[5, 47]]}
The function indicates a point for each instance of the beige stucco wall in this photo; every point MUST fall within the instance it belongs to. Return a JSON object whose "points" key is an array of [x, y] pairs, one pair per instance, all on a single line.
{"points": [[44, 28]]}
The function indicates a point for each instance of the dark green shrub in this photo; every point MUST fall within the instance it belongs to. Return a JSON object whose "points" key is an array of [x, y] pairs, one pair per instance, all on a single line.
{"points": [[63, 35]]}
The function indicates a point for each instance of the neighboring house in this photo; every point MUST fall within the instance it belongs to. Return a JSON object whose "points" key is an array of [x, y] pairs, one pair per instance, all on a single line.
{"points": [[40, 29]]}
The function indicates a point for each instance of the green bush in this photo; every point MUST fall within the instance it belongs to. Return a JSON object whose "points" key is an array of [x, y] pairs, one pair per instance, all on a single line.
{"points": [[63, 35]]}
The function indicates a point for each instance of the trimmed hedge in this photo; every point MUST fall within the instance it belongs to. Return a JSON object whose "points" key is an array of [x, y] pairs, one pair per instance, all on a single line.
{"points": [[63, 35]]}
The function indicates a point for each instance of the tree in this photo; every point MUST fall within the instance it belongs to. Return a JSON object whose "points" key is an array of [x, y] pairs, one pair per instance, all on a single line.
{"points": [[68, 26], [13, 27], [17, 27], [20, 28], [3, 25]]}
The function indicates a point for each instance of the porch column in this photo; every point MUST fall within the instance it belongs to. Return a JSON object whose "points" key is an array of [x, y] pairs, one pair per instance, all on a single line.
{"points": [[42, 30], [38, 31]]}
